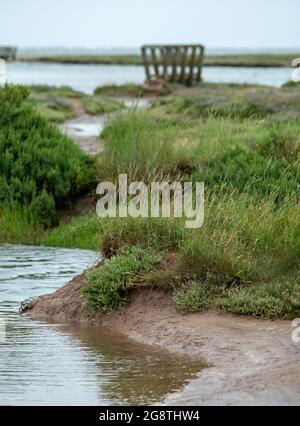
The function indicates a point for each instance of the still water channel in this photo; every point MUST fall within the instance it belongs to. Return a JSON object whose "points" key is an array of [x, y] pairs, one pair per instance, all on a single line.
{"points": [[51, 364]]}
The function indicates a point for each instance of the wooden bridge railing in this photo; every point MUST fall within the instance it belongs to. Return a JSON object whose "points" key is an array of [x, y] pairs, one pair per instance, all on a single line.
{"points": [[173, 63], [8, 53]]}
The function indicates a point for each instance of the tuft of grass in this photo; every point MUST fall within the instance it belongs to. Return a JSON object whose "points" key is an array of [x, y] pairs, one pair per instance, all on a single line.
{"points": [[162, 233], [94, 105], [141, 146], [107, 286], [16, 226], [123, 90]]}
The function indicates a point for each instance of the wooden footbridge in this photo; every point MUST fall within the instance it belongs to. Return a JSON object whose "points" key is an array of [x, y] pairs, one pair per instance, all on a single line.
{"points": [[173, 63]]}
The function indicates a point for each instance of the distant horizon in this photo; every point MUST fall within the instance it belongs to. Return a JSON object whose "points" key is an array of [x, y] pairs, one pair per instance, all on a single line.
{"points": [[253, 24], [133, 49]]}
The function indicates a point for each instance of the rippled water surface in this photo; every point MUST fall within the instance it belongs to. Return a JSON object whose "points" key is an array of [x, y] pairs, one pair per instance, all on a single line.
{"points": [[53, 364]]}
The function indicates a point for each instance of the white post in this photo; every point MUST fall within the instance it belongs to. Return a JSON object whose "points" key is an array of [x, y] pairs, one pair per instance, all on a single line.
{"points": [[2, 72]]}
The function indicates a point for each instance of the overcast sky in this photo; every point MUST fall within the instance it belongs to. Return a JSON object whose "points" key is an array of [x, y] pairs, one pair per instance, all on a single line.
{"points": [[130, 23]]}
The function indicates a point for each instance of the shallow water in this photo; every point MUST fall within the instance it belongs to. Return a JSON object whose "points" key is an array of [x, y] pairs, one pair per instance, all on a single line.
{"points": [[87, 126], [81, 129], [87, 77], [49, 364]]}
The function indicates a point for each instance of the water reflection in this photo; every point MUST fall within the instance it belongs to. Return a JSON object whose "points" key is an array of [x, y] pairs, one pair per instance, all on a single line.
{"points": [[138, 374], [48, 364]]}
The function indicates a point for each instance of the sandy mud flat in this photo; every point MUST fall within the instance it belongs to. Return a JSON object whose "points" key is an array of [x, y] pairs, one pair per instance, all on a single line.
{"points": [[253, 362]]}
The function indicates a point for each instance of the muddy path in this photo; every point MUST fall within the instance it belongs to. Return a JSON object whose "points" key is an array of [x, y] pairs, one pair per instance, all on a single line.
{"points": [[85, 129], [252, 362]]}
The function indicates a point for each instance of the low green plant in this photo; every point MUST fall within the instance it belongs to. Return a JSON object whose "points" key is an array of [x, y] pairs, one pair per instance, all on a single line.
{"points": [[62, 91], [107, 286], [53, 103], [190, 298], [94, 105], [128, 90], [59, 104], [196, 107], [270, 300], [236, 102], [55, 110], [291, 85]]}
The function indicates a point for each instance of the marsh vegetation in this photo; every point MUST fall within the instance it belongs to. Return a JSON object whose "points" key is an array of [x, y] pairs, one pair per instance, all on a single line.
{"points": [[242, 141], [243, 60], [58, 104]]}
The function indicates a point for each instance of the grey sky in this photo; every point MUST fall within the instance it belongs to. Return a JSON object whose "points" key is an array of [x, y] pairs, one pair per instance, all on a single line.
{"points": [[112, 23]]}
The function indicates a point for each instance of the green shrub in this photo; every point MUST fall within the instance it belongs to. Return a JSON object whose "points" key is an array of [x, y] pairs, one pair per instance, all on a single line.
{"points": [[107, 286], [43, 207], [253, 173], [39, 166]]}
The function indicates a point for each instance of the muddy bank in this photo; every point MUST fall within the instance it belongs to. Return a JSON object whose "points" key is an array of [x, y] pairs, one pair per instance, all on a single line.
{"points": [[252, 361]]}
